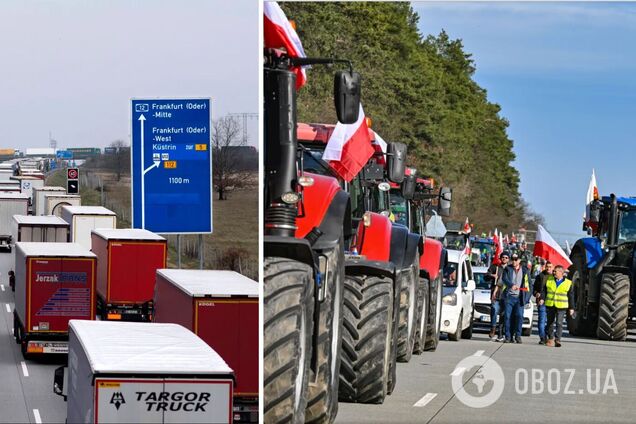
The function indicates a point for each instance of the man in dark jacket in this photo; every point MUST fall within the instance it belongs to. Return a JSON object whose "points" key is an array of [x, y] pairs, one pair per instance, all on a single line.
{"points": [[495, 272], [539, 294], [516, 281]]}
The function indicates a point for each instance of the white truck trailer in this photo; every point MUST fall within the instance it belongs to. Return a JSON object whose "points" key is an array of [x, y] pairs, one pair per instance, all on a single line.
{"points": [[38, 197], [84, 219], [10, 204], [55, 202], [128, 372]]}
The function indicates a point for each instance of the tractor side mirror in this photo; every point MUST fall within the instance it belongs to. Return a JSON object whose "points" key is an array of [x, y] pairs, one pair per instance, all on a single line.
{"points": [[58, 382], [408, 186], [396, 161], [347, 96], [445, 199]]}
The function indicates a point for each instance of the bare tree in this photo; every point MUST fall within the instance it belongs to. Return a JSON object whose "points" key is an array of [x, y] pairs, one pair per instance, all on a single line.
{"points": [[120, 160], [227, 147]]}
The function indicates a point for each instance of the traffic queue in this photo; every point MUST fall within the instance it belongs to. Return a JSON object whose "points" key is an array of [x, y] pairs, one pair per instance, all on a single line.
{"points": [[145, 343]]}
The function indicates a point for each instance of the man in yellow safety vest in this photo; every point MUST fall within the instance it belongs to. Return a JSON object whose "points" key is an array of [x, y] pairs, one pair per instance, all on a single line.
{"points": [[559, 297]]}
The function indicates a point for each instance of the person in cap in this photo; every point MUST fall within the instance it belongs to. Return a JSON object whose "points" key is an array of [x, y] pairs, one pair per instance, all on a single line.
{"points": [[495, 272], [539, 295], [517, 293], [559, 296]]}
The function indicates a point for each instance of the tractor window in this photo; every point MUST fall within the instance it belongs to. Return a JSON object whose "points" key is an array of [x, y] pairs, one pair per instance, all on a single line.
{"points": [[380, 199], [627, 226], [357, 198], [399, 208], [312, 162]]}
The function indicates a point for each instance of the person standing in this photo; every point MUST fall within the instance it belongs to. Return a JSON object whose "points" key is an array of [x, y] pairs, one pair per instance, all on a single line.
{"points": [[558, 298], [495, 273], [516, 295], [539, 295]]}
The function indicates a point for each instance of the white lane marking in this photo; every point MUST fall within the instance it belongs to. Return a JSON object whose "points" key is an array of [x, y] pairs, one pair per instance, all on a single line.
{"points": [[2, 287], [36, 415], [8, 307], [25, 371], [458, 371], [425, 400], [478, 353]]}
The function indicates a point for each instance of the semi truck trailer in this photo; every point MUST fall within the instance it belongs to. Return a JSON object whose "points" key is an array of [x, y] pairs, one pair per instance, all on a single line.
{"points": [[84, 219]]}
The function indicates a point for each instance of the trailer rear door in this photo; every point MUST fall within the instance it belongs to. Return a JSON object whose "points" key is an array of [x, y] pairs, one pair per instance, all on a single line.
{"points": [[132, 270], [158, 400]]}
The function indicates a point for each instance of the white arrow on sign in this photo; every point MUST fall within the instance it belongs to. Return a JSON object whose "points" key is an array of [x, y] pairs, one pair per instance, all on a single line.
{"points": [[154, 165]]}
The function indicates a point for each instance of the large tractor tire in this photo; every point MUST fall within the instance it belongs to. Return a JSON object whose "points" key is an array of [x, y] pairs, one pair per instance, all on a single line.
{"points": [[366, 339], [613, 307], [288, 305], [435, 319], [322, 395], [580, 325], [394, 335], [423, 314], [409, 288]]}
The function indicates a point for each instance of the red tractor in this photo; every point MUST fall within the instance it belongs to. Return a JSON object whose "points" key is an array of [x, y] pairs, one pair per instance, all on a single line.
{"points": [[306, 222], [411, 202], [382, 286]]}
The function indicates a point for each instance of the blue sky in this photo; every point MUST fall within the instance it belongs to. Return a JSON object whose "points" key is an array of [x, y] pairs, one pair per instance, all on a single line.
{"points": [[565, 76]]}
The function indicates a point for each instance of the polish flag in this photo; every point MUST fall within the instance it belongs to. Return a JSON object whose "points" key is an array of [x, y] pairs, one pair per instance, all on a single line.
{"points": [[498, 248], [379, 145], [349, 147], [279, 33], [591, 195], [548, 249], [467, 226]]}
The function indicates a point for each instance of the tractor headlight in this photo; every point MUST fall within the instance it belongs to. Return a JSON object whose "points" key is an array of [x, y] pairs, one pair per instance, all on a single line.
{"points": [[450, 299], [290, 198]]}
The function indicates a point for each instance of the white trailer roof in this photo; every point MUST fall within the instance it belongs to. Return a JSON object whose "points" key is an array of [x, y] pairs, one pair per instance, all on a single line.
{"points": [[70, 250], [39, 220], [89, 210], [49, 188], [14, 196], [146, 348], [201, 283], [127, 234], [55, 195]]}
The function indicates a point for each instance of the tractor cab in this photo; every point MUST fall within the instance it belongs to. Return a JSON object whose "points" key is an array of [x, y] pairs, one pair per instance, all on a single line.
{"points": [[482, 251]]}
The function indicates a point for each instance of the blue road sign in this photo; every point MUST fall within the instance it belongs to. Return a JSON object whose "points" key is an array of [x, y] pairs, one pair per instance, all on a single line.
{"points": [[171, 165], [64, 154]]}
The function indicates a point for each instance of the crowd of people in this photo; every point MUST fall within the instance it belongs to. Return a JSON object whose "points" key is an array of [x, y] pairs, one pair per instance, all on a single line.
{"points": [[514, 282]]}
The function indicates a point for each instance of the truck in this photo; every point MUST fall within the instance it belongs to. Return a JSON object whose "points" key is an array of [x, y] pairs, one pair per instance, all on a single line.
{"points": [[27, 184], [39, 204], [53, 203], [603, 270], [84, 219], [9, 186], [128, 260], [221, 307], [54, 283], [303, 273], [127, 372], [10, 204]]}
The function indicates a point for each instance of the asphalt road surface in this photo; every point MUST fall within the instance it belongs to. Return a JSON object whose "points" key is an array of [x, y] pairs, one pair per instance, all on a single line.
{"points": [[537, 384], [26, 386]]}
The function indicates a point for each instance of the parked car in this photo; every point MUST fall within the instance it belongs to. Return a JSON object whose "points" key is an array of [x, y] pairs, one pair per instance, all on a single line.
{"points": [[458, 296], [482, 303]]}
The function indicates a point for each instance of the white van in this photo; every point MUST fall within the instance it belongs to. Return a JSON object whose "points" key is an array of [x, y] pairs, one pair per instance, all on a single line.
{"points": [[458, 297]]}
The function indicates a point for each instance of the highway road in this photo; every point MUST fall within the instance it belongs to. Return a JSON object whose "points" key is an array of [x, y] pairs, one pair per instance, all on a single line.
{"points": [[26, 387], [425, 394]]}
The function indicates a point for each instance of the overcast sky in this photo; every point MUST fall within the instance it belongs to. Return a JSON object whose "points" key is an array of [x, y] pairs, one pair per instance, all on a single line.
{"points": [[71, 66], [563, 74]]}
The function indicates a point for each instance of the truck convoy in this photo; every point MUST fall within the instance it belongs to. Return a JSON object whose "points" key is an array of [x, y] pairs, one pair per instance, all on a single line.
{"points": [[221, 307], [137, 372], [127, 261], [55, 282], [603, 270], [84, 219]]}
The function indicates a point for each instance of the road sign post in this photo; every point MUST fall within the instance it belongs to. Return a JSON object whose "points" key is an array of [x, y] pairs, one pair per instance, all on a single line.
{"points": [[171, 162], [72, 181]]}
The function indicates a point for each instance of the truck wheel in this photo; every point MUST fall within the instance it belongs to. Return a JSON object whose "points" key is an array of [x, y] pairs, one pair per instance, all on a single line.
{"points": [[579, 325], [613, 307], [322, 394], [421, 328], [17, 333], [366, 339], [458, 331], [408, 305], [435, 321], [288, 305]]}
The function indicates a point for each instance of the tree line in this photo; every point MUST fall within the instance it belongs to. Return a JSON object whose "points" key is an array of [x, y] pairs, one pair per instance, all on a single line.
{"points": [[418, 90]]}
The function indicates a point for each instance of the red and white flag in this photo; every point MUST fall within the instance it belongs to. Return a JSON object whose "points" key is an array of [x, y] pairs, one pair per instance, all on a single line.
{"points": [[548, 249], [498, 250], [279, 33], [467, 228], [591, 195], [349, 147]]}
